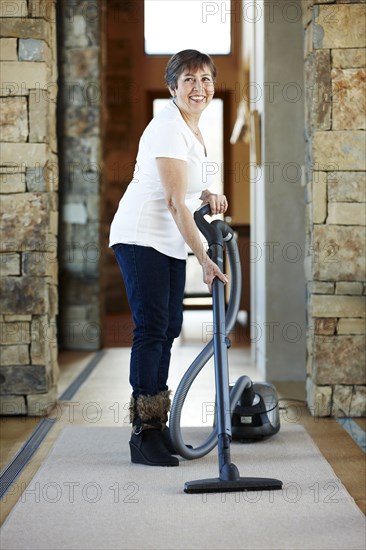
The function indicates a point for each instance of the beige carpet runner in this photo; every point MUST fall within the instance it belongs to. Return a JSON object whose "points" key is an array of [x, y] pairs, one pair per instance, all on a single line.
{"points": [[87, 495]]}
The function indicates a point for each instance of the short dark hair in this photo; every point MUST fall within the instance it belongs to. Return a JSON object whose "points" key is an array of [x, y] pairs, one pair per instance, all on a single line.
{"points": [[187, 60]]}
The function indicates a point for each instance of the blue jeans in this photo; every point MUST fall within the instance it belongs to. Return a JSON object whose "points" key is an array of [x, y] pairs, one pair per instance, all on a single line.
{"points": [[155, 287]]}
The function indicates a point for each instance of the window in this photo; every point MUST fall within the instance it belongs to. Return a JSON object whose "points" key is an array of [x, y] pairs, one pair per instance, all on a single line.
{"points": [[172, 26]]}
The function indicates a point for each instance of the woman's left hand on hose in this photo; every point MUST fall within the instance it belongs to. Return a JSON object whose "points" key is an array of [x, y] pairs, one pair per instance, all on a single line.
{"points": [[218, 203]]}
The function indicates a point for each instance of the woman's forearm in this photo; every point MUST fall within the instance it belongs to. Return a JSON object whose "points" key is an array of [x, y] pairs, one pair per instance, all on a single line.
{"points": [[187, 227]]}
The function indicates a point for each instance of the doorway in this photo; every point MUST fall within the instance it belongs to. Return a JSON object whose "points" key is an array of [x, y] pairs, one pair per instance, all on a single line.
{"points": [[133, 84]]}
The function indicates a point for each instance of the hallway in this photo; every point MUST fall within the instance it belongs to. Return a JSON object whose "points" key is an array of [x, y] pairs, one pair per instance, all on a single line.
{"points": [[80, 81]]}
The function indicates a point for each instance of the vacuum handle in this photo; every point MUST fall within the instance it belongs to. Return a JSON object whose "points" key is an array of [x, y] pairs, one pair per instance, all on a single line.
{"points": [[216, 232], [199, 217]]}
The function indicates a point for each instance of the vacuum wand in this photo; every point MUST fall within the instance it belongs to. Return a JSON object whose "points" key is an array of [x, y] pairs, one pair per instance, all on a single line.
{"points": [[221, 367]]}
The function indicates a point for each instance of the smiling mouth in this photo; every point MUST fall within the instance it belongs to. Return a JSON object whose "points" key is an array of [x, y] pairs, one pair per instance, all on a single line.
{"points": [[197, 98]]}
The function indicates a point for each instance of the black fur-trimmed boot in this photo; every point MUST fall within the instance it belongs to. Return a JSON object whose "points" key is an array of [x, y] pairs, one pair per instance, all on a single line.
{"points": [[147, 442], [165, 396]]}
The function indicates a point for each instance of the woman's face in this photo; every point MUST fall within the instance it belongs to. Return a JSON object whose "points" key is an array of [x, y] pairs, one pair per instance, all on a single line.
{"points": [[194, 91]]}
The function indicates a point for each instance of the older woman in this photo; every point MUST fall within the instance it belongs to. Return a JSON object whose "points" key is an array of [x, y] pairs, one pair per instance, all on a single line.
{"points": [[149, 234]]}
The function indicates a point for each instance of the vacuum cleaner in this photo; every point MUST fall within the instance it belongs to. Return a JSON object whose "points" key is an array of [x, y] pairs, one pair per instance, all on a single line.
{"points": [[244, 411]]}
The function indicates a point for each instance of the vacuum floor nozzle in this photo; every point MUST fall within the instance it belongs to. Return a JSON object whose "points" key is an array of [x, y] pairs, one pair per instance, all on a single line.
{"points": [[217, 485]]}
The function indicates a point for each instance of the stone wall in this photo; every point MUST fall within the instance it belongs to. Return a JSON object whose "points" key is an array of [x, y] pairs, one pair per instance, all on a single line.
{"points": [[80, 174], [335, 265], [29, 207]]}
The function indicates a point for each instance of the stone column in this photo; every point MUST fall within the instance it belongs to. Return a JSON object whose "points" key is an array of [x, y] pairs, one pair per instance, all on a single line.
{"points": [[29, 207], [80, 174], [334, 51]]}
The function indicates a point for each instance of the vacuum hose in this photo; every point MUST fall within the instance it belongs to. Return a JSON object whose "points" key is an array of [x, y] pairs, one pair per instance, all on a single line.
{"points": [[216, 232]]}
